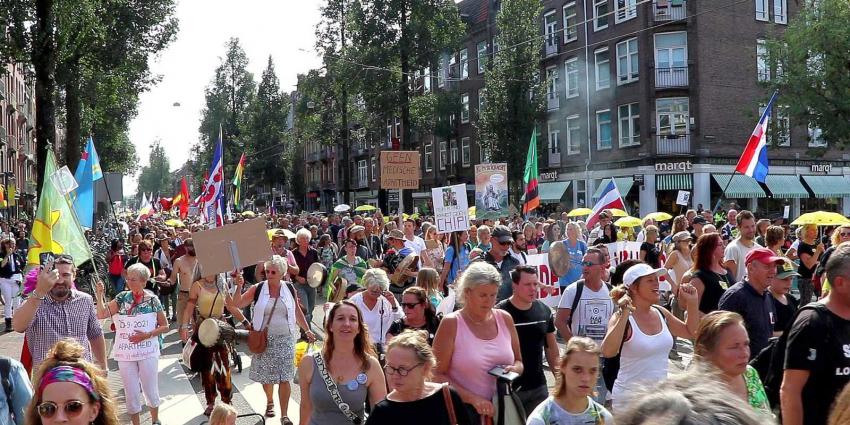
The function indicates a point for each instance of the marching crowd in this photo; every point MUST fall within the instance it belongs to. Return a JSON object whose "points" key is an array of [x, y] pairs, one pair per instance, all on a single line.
{"points": [[422, 327]]}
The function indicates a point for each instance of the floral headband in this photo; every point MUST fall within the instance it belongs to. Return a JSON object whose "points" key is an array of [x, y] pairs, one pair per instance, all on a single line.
{"points": [[65, 373]]}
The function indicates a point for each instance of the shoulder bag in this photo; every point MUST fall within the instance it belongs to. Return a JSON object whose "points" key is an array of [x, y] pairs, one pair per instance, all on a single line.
{"points": [[258, 339], [334, 391], [450, 406]]}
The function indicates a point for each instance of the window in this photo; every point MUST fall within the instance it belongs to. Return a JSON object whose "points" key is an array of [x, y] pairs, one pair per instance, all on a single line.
{"points": [[554, 138], [464, 108], [453, 153], [443, 153], [482, 56], [570, 22], [426, 80], [627, 61], [816, 139], [672, 115], [552, 86], [779, 132], [482, 102], [603, 129], [761, 10], [603, 68], [762, 66], [581, 192], [629, 127], [573, 134], [485, 153], [465, 155], [374, 169], [626, 9], [780, 11], [550, 30], [362, 178], [571, 66], [429, 156], [600, 14], [464, 64], [671, 50], [441, 72]]}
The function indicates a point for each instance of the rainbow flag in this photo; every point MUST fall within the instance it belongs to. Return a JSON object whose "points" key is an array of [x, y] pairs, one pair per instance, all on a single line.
{"points": [[237, 180]]}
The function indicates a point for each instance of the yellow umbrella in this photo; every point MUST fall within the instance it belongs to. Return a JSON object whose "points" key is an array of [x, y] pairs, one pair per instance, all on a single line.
{"points": [[286, 232], [366, 207], [578, 212], [658, 216], [249, 214], [821, 218], [174, 223], [628, 221], [618, 213]]}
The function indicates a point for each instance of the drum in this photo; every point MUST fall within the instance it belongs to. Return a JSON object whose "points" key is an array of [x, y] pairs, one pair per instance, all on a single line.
{"points": [[213, 332], [559, 258], [409, 263], [316, 274]]}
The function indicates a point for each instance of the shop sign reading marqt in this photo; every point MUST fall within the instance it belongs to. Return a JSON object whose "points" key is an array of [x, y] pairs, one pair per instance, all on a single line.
{"points": [[400, 170]]}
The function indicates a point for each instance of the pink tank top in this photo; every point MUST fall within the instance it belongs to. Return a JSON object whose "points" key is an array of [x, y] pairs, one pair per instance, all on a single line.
{"points": [[474, 357]]}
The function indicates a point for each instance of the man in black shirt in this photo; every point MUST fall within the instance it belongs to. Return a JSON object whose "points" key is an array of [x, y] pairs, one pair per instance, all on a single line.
{"points": [[817, 355], [536, 331]]}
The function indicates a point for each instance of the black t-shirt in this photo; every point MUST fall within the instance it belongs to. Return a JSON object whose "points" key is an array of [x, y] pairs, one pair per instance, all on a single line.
{"points": [[153, 266], [651, 257], [532, 325], [804, 248], [784, 312], [398, 326], [714, 286], [430, 410], [819, 342]]}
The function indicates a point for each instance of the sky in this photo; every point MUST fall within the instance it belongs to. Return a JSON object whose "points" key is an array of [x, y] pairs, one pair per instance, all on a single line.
{"points": [[283, 29]]}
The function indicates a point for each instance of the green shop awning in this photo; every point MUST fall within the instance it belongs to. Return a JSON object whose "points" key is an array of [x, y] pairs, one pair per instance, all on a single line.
{"points": [[786, 186], [624, 185], [552, 192], [366, 194], [828, 186], [674, 182], [740, 187]]}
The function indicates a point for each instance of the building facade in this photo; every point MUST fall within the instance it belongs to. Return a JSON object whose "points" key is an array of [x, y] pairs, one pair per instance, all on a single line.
{"points": [[17, 139]]}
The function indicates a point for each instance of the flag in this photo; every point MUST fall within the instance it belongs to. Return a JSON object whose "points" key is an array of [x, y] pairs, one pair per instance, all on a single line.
{"points": [[3, 203], [213, 195], [56, 228], [145, 209], [88, 171], [237, 180], [166, 204], [610, 198], [532, 197], [753, 161], [182, 199]]}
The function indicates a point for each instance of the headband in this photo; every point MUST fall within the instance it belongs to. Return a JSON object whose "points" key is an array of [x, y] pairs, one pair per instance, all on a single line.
{"points": [[65, 373]]}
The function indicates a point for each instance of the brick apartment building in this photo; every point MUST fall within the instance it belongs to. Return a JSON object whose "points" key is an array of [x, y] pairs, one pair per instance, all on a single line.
{"points": [[17, 138], [660, 95]]}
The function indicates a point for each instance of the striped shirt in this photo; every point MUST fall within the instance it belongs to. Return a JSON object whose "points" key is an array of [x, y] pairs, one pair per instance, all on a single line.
{"points": [[75, 317]]}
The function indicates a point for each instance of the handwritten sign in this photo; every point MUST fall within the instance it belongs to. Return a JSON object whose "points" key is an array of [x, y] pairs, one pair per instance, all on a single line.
{"points": [[451, 210], [491, 191], [400, 170], [125, 351], [546, 276]]}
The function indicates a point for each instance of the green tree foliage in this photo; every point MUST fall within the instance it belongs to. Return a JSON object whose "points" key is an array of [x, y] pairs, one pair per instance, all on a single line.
{"points": [[156, 176], [511, 114], [267, 146], [813, 56]]}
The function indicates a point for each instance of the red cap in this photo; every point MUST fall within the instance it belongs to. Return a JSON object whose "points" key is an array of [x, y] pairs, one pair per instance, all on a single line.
{"points": [[764, 256]]}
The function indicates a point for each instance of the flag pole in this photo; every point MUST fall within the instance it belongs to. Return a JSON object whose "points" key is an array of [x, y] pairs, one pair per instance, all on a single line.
{"points": [[723, 193]]}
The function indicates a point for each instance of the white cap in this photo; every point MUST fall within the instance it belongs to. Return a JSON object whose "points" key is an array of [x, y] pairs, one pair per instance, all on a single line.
{"points": [[638, 271]]}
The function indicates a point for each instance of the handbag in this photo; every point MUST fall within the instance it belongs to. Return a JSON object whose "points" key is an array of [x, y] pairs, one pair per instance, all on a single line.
{"points": [[450, 406], [334, 391], [258, 339]]}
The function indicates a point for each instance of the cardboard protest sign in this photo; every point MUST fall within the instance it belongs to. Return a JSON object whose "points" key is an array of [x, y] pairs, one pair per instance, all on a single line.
{"points": [[400, 170], [233, 246], [491, 191], [125, 326], [451, 210]]}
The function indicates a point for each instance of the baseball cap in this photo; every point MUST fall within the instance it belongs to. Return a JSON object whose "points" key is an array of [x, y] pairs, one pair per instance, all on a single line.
{"points": [[396, 234], [763, 255], [638, 271], [681, 236], [785, 269], [502, 234], [699, 220]]}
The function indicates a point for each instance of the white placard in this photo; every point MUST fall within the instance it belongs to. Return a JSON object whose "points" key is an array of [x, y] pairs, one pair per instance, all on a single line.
{"points": [[683, 198], [64, 180], [546, 276], [451, 208], [123, 349], [786, 212]]}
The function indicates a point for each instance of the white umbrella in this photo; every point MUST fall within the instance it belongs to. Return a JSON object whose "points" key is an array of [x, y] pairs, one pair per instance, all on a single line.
{"points": [[342, 208]]}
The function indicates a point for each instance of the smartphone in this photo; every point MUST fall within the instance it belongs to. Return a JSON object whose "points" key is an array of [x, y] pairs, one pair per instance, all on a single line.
{"points": [[499, 372], [45, 257]]}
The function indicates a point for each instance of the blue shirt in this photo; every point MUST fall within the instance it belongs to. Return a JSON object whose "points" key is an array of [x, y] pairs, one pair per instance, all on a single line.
{"points": [[577, 252], [459, 265], [21, 396]]}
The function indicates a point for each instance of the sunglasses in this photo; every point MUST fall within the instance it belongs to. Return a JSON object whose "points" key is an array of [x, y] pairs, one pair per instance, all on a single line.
{"points": [[73, 408], [588, 263], [409, 305], [844, 234], [272, 272], [505, 243]]}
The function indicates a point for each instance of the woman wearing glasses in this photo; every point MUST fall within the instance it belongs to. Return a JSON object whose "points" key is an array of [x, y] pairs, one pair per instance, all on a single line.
{"points": [[840, 235], [418, 312], [410, 363], [70, 390], [154, 266]]}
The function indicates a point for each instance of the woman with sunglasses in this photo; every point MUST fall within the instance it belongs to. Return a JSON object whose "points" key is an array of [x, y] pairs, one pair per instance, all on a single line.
{"points": [[145, 257], [419, 314], [70, 390], [410, 363], [840, 235]]}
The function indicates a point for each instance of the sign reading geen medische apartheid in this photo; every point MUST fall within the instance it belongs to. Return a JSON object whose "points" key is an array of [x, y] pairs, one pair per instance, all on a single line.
{"points": [[400, 170], [451, 209]]}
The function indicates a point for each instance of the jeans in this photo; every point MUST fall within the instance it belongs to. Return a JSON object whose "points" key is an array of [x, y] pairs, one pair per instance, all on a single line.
{"points": [[169, 300], [601, 389], [307, 298]]}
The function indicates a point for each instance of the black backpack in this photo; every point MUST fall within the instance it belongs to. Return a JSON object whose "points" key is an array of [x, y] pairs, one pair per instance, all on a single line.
{"points": [[579, 289]]}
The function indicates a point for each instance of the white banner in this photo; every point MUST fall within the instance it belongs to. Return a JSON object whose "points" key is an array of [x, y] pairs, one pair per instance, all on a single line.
{"points": [[123, 349], [451, 209], [546, 276]]}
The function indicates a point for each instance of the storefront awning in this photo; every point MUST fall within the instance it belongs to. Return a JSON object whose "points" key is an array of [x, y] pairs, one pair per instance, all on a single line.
{"points": [[828, 186], [674, 182], [740, 187], [624, 185], [367, 194], [786, 186], [552, 192]]}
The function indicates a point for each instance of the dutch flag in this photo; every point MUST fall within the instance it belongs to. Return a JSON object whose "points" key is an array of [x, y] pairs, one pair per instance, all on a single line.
{"points": [[754, 162]]}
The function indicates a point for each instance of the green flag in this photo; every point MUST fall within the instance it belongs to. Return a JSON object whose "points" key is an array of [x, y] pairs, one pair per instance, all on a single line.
{"points": [[56, 228], [532, 198]]}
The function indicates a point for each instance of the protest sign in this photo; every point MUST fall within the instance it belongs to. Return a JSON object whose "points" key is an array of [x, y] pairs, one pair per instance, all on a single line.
{"points": [[683, 198], [400, 170], [451, 212], [491, 191], [233, 246], [125, 326]]}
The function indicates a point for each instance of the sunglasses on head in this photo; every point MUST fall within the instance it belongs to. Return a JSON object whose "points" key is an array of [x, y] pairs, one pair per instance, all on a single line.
{"points": [[73, 408]]}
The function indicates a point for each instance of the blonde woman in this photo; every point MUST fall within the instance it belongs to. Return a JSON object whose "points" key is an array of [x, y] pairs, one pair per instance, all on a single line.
{"points": [[429, 280], [435, 249]]}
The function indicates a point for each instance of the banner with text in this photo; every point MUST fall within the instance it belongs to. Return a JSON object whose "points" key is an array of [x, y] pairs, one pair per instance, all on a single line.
{"points": [[491, 191], [125, 351], [451, 212], [400, 170], [546, 276]]}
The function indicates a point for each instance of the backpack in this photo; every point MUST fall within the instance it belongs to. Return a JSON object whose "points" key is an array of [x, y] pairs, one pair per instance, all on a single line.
{"points": [[6, 378]]}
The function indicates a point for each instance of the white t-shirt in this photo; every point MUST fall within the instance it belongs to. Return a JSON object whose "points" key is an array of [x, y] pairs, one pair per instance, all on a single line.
{"points": [[417, 244], [737, 252], [592, 312]]}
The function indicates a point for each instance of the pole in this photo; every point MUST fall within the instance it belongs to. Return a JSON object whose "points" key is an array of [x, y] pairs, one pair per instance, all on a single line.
{"points": [[723, 193], [109, 196]]}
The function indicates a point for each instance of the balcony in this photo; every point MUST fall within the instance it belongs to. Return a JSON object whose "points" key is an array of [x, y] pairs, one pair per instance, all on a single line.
{"points": [[551, 47], [673, 144], [2, 134], [671, 77], [312, 156], [3, 94], [554, 159], [326, 153], [553, 101], [669, 10]]}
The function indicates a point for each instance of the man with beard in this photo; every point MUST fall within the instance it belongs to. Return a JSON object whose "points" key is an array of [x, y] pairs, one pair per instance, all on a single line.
{"points": [[55, 310], [185, 272]]}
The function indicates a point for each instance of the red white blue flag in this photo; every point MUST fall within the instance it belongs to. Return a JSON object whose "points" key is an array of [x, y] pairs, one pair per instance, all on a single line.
{"points": [[610, 198], [754, 162], [212, 199]]}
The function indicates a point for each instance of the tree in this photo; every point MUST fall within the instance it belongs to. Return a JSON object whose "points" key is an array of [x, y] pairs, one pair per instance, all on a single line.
{"points": [[265, 133], [811, 66], [511, 114], [156, 176]]}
